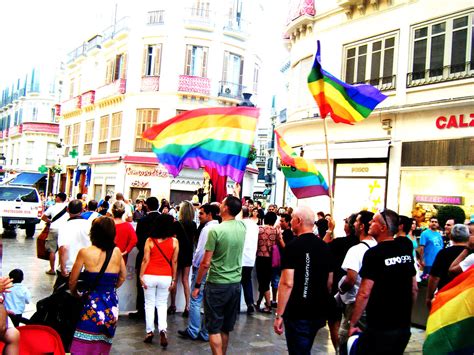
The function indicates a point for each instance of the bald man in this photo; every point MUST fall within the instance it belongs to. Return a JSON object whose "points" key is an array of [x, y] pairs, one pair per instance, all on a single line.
{"points": [[305, 285]]}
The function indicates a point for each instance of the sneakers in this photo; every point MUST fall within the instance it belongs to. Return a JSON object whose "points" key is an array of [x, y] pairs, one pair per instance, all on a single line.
{"points": [[185, 334], [163, 339], [250, 309]]}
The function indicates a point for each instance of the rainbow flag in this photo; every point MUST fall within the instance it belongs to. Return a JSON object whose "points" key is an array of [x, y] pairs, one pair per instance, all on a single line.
{"points": [[302, 176], [218, 137], [346, 103], [451, 321]]}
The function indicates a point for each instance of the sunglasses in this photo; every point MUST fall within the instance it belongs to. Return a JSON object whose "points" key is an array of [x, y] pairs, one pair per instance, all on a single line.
{"points": [[384, 217]]}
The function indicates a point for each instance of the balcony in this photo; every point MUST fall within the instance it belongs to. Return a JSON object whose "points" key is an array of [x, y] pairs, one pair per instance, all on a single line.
{"points": [[194, 84], [16, 131], [150, 83], [41, 127], [94, 43], [230, 90], [118, 87], [439, 75], [199, 18], [156, 17], [236, 27], [383, 84], [76, 53], [88, 98], [71, 105], [117, 31]]}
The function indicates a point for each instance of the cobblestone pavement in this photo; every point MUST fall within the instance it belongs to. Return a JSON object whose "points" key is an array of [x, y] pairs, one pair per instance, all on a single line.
{"points": [[252, 335]]}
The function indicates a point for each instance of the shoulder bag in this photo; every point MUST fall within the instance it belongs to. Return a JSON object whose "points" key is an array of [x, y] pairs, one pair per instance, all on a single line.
{"points": [[41, 251]]}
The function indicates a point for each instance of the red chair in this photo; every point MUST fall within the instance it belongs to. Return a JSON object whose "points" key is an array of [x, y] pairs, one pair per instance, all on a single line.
{"points": [[38, 339]]}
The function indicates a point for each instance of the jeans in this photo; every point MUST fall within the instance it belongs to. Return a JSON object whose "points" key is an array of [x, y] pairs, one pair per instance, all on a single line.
{"points": [[156, 295], [196, 324], [247, 284], [300, 334]]}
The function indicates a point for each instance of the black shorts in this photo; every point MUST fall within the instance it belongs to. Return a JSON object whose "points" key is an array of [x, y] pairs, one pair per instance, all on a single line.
{"points": [[334, 313], [221, 306]]}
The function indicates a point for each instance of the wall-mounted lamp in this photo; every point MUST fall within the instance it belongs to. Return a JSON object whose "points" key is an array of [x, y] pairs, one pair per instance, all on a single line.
{"points": [[387, 124]]}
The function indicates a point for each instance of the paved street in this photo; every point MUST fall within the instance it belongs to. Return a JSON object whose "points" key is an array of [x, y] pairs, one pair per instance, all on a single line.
{"points": [[253, 334]]}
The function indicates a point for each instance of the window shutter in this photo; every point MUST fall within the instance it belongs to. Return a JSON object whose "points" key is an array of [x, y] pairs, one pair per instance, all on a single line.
{"points": [[187, 66], [205, 51], [157, 67], [145, 70], [123, 66], [241, 75], [224, 66], [109, 71]]}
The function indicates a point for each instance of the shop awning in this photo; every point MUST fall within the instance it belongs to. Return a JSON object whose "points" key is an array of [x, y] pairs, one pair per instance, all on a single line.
{"points": [[27, 179]]}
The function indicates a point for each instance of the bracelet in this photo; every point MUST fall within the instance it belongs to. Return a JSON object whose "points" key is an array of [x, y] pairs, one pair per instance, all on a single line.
{"points": [[197, 285]]}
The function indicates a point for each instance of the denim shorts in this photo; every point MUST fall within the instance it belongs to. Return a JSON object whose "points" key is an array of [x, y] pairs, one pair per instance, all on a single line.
{"points": [[221, 306]]}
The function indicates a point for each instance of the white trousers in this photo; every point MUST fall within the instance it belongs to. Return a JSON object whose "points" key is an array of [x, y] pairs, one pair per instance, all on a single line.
{"points": [[156, 295]]}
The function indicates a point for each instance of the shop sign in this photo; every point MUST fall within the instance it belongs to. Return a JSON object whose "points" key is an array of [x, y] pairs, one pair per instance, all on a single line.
{"points": [[138, 183], [258, 196], [361, 170], [155, 172], [443, 200], [455, 121]]}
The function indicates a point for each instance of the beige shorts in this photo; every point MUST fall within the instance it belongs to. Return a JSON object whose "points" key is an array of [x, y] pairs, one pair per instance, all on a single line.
{"points": [[51, 244]]}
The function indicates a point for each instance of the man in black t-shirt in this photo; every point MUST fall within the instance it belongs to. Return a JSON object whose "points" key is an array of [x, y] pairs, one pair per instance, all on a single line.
{"points": [[387, 291], [439, 276], [305, 284]]}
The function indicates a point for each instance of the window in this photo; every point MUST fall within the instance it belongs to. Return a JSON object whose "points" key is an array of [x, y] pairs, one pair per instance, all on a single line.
{"points": [[103, 134], [152, 60], [196, 61], [372, 62], [115, 132], [71, 88], [51, 151], [443, 50], [232, 73], [34, 115], [200, 8], [116, 68], [234, 14], [88, 137], [156, 17], [256, 72], [67, 138], [76, 130], [145, 119], [30, 146]]}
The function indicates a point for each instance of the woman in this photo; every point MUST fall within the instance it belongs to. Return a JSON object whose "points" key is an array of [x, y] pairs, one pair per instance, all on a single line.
{"points": [[125, 238], [139, 212], [185, 232], [268, 235], [98, 320], [158, 274], [254, 216]]}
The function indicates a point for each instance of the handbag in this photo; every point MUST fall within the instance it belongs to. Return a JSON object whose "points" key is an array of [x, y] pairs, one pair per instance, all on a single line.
{"points": [[41, 251], [276, 258]]}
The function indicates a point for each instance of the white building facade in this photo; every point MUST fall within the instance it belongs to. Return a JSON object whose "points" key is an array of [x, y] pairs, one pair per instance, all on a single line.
{"points": [[416, 148], [145, 68]]}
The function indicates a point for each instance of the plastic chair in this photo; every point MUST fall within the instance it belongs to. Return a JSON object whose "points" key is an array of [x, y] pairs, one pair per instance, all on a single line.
{"points": [[38, 339]]}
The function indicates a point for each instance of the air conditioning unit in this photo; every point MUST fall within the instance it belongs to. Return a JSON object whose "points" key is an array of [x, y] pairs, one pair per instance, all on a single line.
{"points": [[227, 90]]}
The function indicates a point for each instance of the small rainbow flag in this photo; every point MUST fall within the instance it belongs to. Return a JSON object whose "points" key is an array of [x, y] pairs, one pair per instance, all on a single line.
{"points": [[302, 176], [346, 103], [451, 320], [218, 137]]}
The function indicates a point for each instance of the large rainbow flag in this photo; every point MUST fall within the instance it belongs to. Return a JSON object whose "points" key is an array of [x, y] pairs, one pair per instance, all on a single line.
{"points": [[302, 176], [346, 103], [218, 138], [451, 321]]}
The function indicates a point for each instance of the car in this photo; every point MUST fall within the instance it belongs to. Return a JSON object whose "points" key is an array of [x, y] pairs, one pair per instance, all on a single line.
{"points": [[20, 207]]}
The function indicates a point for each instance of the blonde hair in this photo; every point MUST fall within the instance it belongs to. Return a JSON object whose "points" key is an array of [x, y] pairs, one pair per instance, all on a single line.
{"points": [[186, 212], [118, 209]]}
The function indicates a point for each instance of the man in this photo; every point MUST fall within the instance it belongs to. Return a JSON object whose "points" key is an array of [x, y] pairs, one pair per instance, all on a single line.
{"points": [[431, 242], [54, 216], [144, 227], [321, 224], [387, 290], [349, 284], [261, 212], [91, 213], [439, 272], [128, 215], [223, 259], [248, 258], [196, 328], [305, 285], [447, 232], [465, 259], [72, 237]]}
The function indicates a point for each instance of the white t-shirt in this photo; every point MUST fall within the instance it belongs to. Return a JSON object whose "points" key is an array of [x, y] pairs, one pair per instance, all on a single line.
{"points": [[53, 211], [467, 263], [353, 261], [251, 243], [200, 248], [74, 235]]}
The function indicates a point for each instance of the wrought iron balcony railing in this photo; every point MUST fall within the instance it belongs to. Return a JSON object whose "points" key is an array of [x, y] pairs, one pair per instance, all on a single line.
{"points": [[438, 75], [231, 90], [156, 17]]}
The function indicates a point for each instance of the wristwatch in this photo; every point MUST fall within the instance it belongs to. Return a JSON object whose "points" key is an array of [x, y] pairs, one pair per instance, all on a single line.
{"points": [[277, 316]]}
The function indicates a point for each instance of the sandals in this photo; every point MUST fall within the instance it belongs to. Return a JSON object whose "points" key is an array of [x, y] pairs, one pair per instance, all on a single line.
{"points": [[50, 272], [186, 313], [267, 309], [163, 339], [171, 310], [149, 338]]}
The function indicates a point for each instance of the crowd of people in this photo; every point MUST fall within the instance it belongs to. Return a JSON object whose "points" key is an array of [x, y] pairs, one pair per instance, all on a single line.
{"points": [[306, 276]]}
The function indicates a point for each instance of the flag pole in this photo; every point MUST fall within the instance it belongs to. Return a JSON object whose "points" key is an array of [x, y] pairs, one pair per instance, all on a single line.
{"points": [[331, 198]]}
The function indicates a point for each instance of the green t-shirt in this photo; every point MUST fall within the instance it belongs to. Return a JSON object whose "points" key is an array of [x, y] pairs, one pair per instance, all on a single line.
{"points": [[226, 240]]}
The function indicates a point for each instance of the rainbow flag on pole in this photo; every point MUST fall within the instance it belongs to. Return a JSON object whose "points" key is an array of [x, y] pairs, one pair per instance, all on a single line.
{"points": [[302, 176], [346, 103], [218, 138], [451, 321]]}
